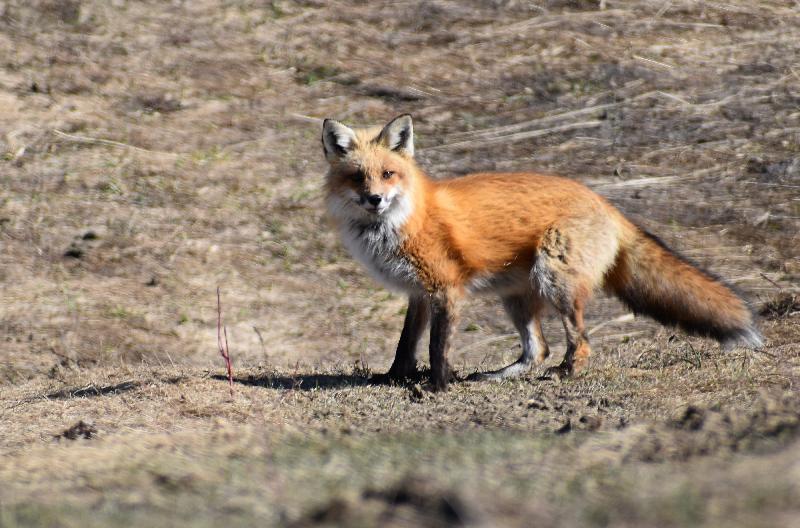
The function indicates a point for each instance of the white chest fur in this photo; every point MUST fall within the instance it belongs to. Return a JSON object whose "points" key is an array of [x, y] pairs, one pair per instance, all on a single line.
{"points": [[377, 247], [376, 241]]}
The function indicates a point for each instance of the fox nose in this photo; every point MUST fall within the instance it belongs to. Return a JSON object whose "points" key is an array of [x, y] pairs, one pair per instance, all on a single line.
{"points": [[374, 199]]}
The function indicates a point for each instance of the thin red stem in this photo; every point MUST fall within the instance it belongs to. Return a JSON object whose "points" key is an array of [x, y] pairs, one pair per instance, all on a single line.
{"points": [[224, 351]]}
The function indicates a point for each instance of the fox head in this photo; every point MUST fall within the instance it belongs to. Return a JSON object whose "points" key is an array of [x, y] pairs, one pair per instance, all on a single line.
{"points": [[370, 169]]}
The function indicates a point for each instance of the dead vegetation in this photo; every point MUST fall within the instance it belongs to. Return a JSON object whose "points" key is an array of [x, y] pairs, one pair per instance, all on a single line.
{"points": [[783, 305], [80, 429], [411, 502], [150, 151]]}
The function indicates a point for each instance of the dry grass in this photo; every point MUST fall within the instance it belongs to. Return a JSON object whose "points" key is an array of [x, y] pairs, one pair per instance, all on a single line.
{"points": [[153, 151]]}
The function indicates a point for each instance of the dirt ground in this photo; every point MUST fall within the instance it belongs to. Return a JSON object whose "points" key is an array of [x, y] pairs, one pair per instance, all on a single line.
{"points": [[153, 151]]}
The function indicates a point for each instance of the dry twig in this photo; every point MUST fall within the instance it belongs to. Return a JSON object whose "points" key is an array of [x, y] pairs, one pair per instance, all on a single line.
{"points": [[519, 136], [98, 141], [224, 351]]}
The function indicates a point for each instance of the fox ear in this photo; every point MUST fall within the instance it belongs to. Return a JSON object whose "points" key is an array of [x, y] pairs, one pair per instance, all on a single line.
{"points": [[337, 140], [398, 135]]}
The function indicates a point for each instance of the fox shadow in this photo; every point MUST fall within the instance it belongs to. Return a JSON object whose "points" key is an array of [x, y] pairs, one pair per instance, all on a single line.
{"points": [[303, 382]]}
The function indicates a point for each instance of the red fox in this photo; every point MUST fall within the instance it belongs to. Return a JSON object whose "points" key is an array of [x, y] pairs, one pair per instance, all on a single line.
{"points": [[532, 239]]}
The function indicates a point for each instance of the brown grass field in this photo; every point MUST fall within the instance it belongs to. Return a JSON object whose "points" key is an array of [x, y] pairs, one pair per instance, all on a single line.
{"points": [[151, 151]]}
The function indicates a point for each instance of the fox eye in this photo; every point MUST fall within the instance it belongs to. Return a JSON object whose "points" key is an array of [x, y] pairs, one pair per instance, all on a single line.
{"points": [[387, 175]]}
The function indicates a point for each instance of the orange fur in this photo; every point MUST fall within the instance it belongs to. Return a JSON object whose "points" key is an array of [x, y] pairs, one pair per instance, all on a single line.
{"points": [[652, 279], [488, 223]]}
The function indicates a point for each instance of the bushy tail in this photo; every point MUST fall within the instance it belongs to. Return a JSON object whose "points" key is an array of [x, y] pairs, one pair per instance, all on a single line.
{"points": [[652, 280]]}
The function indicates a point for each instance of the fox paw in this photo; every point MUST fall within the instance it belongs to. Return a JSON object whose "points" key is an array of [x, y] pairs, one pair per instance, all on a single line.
{"points": [[515, 370], [439, 383]]}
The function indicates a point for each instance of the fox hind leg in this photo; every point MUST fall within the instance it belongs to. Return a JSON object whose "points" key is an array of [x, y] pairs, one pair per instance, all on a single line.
{"points": [[525, 313], [577, 354], [565, 275]]}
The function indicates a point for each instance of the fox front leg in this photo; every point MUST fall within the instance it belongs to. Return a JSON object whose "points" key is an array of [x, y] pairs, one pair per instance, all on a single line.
{"points": [[405, 360], [444, 315]]}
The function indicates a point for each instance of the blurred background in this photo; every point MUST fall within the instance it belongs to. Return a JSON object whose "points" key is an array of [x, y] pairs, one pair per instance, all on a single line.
{"points": [[152, 151]]}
